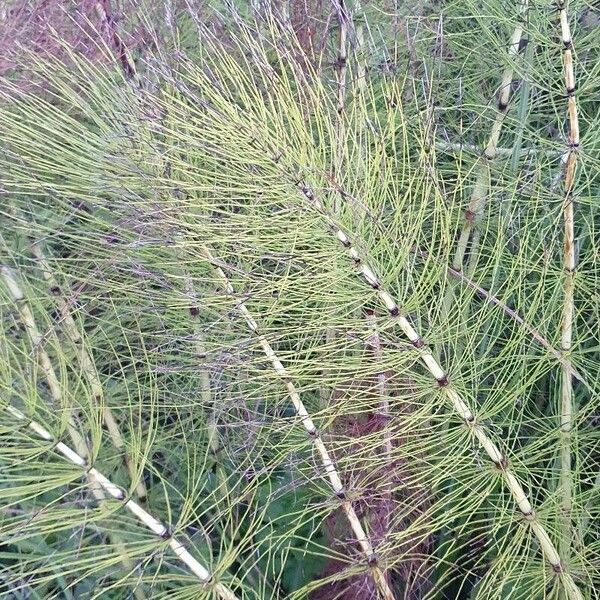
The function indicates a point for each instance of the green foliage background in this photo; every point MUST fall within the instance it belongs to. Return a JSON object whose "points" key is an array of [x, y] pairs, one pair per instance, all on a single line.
{"points": [[148, 201]]}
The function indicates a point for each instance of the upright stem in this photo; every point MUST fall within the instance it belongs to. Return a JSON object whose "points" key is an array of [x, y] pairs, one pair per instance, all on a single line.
{"points": [[566, 409], [314, 435], [384, 403], [206, 396], [482, 168], [341, 64], [156, 526], [88, 368], [342, 68]]}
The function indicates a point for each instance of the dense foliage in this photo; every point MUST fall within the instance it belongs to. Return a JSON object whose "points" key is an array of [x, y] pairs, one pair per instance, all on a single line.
{"points": [[291, 313]]}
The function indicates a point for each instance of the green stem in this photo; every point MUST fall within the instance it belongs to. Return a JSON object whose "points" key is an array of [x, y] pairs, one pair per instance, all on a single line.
{"points": [[569, 265]]}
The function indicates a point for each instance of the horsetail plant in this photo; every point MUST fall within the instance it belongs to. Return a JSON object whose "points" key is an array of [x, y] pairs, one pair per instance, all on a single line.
{"points": [[439, 374], [316, 439], [87, 366], [569, 262], [458, 403], [213, 240], [102, 484]]}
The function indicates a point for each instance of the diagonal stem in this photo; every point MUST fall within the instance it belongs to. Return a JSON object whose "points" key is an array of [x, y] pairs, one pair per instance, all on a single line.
{"points": [[37, 343], [313, 433], [88, 368], [156, 526], [127, 64], [459, 404]]}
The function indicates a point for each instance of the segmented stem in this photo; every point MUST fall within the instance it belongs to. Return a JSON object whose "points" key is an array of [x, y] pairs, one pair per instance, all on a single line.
{"points": [[37, 342], [81, 447], [88, 367], [460, 406], [313, 433], [482, 167], [103, 483], [566, 408]]}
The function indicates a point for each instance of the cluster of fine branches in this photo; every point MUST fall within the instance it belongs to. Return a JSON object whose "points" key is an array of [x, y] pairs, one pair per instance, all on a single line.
{"points": [[300, 303]]}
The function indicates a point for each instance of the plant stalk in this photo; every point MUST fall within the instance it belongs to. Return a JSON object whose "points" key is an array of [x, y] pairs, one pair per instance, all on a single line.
{"points": [[460, 406], [88, 367], [103, 483], [569, 265], [482, 168], [313, 433]]}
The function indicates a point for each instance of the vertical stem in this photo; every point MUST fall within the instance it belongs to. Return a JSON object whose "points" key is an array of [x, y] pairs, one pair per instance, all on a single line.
{"points": [[482, 168], [341, 64], [206, 397], [569, 264], [361, 61], [88, 368], [342, 67], [384, 403]]}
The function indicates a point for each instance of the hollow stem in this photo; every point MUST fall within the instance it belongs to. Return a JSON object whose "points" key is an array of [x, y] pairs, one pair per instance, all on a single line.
{"points": [[114, 491], [341, 65], [482, 168], [455, 399], [37, 343], [313, 433], [569, 265]]}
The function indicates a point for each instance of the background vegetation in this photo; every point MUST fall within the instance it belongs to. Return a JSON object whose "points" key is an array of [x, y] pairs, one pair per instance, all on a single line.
{"points": [[299, 300]]}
